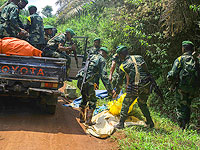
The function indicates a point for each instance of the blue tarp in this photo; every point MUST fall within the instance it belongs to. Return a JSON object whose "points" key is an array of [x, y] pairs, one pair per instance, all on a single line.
{"points": [[99, 94]]}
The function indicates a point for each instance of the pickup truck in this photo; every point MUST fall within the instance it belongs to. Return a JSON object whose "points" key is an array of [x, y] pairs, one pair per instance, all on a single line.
{"points": [[36, 78]]}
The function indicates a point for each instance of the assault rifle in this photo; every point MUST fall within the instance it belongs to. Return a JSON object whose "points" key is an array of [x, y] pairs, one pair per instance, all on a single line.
{"points": [[154, 85], [85, 69]]}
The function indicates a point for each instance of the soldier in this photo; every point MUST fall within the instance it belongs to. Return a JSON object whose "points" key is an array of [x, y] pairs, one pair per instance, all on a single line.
{"points": [[95, 49], [55, 47], [184, 74], [48, 29], [95, 66], [9, 21], [137, 84], [35, 28], [116, 62]]}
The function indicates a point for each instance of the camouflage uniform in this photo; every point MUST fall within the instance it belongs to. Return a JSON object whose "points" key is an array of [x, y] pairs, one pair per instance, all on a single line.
{"points": [[140, 91], [52, 49], [116, 73], [97, 66], [184, 93], [9, 21], [36, 30]]}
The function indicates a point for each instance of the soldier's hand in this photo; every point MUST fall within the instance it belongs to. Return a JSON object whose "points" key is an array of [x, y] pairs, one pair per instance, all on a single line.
{"points": [[23, 33], [114, 94]]}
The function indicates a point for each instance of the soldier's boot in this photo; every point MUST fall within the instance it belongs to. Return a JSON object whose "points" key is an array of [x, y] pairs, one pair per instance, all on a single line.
{"points": [[82, 114], [89, 115], [120, 125], [147, 115], [182, 124]]}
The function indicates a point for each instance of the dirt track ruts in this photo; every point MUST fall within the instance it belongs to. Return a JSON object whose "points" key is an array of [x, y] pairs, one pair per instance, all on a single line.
{"points": [[24, 127]]}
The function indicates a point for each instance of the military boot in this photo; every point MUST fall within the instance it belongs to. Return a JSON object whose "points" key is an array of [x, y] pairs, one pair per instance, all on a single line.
{"points": [[120, 125], [82, 114], [89, 114], [182, 124], [150, 123]]}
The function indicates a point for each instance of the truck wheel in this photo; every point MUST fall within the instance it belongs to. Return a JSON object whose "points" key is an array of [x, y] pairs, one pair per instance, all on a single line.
{"points": [[51, 109]]}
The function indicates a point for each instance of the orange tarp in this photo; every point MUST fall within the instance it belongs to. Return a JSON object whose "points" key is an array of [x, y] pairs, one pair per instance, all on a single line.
{"points": [[14, 46]]}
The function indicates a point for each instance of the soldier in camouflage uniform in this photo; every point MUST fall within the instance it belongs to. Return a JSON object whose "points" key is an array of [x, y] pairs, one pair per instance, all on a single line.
{"points": [[56, 47], [95, 49], [92, 51], [9, 21], [137, 86], [35, 28], [48, 29], [96, 66], [182, 74]]}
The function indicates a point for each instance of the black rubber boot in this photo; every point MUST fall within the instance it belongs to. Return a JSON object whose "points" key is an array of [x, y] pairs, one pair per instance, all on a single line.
{"points": [[89, 115], [146, 114], [120, 125], [82, 115]]}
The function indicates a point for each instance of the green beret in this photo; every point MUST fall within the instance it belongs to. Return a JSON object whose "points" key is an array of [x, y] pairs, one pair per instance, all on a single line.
{"points": [[121, 48], [104, 49], [29, 7], [70, 31], [48, 27], [187, 43], [26, 1], [97, 39]]}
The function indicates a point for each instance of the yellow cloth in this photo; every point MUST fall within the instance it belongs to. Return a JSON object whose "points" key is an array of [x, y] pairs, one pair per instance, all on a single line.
{"points": [[116, 105]]}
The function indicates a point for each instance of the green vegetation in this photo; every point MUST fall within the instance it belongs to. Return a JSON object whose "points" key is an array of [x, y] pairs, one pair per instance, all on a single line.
{"points": [[166, 135], [153, 29]]}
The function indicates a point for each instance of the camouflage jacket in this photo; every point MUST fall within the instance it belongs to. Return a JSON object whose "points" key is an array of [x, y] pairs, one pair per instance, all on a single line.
{"points": [[92, 51], [127, 68], [9, 21], [181, 71], [96, 67], [56, 40], [36, 29]]}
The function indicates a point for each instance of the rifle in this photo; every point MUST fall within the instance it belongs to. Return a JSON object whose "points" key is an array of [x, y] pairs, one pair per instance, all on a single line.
{"points": [[154, 85], [85, 69]]}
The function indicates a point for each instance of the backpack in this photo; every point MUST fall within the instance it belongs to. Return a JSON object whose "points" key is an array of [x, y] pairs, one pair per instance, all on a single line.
{"points": [[189, 74]]}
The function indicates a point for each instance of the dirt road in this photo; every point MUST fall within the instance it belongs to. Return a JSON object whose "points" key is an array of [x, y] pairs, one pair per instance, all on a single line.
{"points": [[24, 127]]}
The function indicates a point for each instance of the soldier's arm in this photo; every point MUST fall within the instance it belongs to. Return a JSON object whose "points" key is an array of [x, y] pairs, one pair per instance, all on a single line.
{"points": [[175, 69], [13, 17], [112, 69], [61, 47]]}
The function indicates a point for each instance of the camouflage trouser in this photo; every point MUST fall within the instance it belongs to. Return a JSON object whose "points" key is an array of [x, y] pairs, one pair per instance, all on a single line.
{"points": [[51, 53], [143, 94], [183, 102], [88, 96]]}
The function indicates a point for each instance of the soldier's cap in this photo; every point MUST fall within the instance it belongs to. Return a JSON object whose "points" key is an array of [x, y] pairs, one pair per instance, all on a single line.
{"points": [[97, 39], [121, 48], [29, 7], [70, 31], [26, 1], [48, 27], [184, 43], [104, 49]]}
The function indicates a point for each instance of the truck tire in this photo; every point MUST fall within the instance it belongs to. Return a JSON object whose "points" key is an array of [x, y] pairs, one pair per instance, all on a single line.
{"points": [[51, 109]]}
